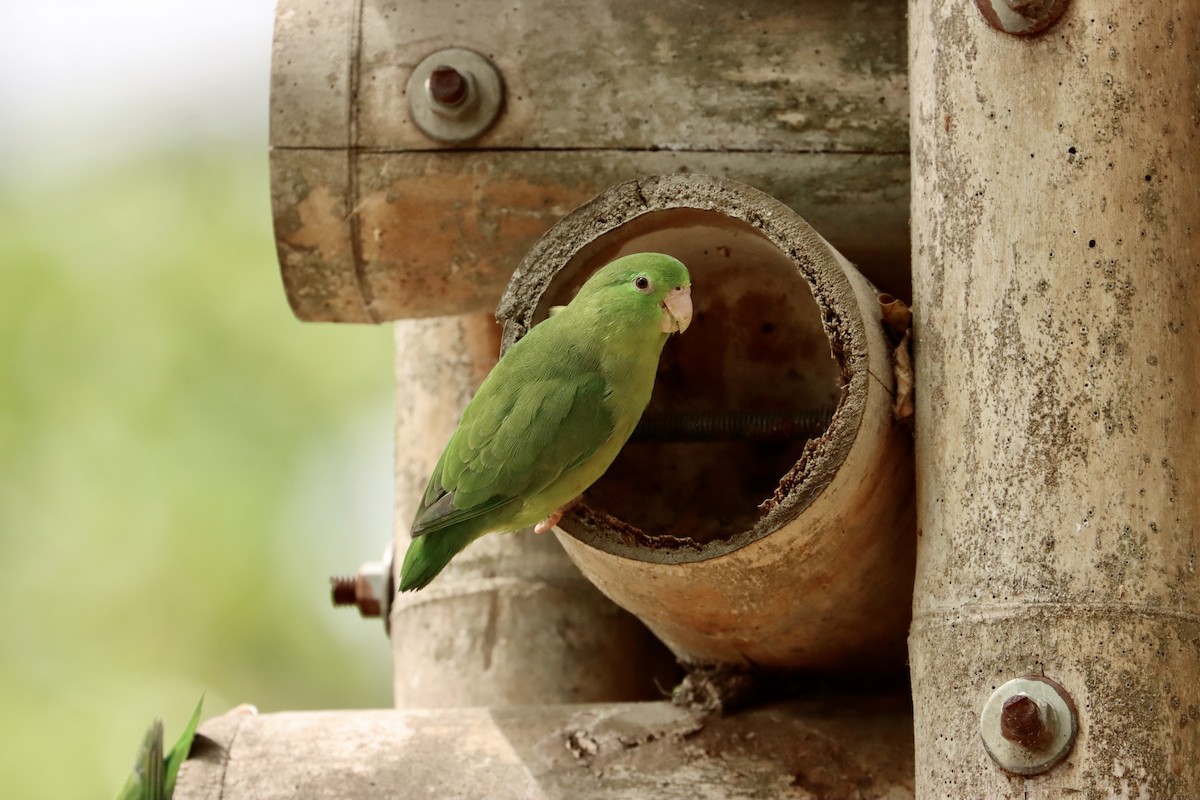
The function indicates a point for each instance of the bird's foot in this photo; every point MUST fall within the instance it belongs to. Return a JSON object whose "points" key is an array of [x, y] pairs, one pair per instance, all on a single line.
{"points": [[549, 522], [556, 515]]}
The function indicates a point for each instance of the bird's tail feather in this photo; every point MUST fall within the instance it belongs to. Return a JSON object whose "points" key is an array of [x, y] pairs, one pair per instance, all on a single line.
{"points": [[427, 556]]}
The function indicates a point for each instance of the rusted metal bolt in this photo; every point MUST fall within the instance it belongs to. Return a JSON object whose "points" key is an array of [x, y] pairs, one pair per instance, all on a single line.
{"points": [[343, 590], [447, 86], [1026, 721], [370, 590], [355, 591], [1021, 17], [1028, 725], [454, 95]]}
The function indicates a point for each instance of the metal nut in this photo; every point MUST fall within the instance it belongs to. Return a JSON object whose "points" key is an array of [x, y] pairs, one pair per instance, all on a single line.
{"points": [[1021, 17], [454, 95], [1028, 725]]}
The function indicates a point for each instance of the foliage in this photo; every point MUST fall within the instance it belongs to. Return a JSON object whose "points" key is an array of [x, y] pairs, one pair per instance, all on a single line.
{"points": [[182, 465], [155, 773]]}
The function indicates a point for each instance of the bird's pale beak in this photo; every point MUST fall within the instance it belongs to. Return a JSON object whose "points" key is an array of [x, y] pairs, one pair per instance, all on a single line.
{"points": [[677, 308]]}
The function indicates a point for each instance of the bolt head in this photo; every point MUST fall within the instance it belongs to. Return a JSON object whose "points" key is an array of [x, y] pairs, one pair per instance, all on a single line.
{"points": [[1028, 725], [447, 86], [1027, 721]]}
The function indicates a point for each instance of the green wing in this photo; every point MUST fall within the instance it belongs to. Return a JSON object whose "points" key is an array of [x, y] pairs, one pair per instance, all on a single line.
{"points": [[525, 428]]}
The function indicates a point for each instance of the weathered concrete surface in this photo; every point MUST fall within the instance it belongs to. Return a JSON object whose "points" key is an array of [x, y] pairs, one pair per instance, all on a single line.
{"points": [[834, 748], [1056, 225], [375, 222], [761, 75]]}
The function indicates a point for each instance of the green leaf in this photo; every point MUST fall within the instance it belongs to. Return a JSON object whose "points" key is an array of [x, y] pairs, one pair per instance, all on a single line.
{"points": [[145, 782], [181, 749], [153, 776]]}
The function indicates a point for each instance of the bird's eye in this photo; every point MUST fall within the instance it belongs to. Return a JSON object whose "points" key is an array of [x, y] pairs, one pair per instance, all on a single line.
{"points": [[642, 283]]}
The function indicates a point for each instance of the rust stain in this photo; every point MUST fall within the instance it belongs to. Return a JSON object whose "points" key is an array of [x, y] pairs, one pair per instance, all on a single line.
{"points": [[454, 237], [322, 226]]}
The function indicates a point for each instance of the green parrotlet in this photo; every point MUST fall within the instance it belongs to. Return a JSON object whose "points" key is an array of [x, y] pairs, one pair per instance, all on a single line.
{"points": [[553, 413]]}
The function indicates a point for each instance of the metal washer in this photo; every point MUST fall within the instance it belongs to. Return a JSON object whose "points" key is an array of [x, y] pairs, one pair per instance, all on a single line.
{"points": [[1014, 758], [481, 108]]}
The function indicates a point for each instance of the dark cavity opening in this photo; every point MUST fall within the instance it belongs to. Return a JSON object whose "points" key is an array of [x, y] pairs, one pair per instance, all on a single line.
{"points": [[755, 347]]}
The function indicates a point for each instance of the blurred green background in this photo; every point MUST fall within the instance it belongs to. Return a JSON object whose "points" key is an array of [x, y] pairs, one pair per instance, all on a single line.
{"points": [[182, 463]]}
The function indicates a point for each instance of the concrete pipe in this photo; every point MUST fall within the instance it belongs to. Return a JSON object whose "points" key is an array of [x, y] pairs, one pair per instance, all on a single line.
{"points": [[847, 746], [379, 218], [775, 551]]}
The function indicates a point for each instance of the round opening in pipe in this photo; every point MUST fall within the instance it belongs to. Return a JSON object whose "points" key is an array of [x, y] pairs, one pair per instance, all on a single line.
{"points": [[778, 550], [754, 358]]}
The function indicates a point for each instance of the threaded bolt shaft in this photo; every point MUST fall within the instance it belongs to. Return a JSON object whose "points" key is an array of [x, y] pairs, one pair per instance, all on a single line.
{"points": [[343, 590]]}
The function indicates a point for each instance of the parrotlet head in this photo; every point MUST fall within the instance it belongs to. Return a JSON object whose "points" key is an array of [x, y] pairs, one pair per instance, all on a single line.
{"points": [[652, 286]]}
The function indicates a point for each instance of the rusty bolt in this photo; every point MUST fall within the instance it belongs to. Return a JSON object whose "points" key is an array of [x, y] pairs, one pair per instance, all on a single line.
{"points": [[1021, 17], [343, 590], [1027, 722], [1028, 725], [447, 86], [350, 590], [370, 590], [454, 95]]}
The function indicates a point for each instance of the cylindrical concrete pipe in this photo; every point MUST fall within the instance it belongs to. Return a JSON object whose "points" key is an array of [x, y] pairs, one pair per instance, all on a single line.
{"points": [[850, 746], [791, 553], [1056, 255], [375, 220]]}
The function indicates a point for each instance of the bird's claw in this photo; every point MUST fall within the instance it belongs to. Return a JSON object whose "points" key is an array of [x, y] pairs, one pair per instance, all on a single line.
{"points": [[549, 522]]}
